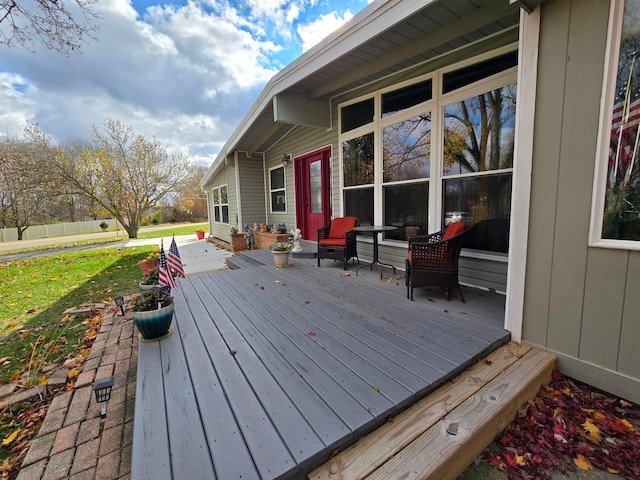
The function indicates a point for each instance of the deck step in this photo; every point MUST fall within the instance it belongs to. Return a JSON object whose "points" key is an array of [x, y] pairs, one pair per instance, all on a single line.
{"points": [[240, 261], [438, 437]]}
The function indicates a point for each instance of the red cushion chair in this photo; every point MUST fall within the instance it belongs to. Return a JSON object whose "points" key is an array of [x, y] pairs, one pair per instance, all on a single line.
{"points": [[338, 240], [432, 260]]}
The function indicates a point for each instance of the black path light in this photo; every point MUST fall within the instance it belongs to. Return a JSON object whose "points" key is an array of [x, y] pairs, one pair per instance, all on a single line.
{"points": [[119, 299], [102, 389]]}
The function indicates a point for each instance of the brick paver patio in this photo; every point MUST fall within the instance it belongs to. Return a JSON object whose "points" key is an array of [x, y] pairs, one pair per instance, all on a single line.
{"points": [[73, 441]]}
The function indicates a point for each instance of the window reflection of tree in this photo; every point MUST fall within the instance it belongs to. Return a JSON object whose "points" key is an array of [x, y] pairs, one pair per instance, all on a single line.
{"points": [[315, 186], [479, 137], [357, 155], [406, 149]]}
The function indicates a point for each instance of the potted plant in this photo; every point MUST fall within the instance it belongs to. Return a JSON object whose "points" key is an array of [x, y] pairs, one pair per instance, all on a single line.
{"points": [[152, 312], [150, 280], [152, 261], [281, 254]]}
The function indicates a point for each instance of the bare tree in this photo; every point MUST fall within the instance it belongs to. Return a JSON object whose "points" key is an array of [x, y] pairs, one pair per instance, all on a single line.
{"points": [[24, 182], [60, 25], [124, 173]]}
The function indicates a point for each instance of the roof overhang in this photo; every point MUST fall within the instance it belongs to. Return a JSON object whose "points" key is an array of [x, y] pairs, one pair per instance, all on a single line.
{"points": [[386, 39]]}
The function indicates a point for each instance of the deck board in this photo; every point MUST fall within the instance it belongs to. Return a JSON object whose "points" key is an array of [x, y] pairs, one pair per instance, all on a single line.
{"points": [[269, 370]]}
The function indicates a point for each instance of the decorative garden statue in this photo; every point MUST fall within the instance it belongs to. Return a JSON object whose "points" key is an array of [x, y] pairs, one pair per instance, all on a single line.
{"points": [[297, 236]]}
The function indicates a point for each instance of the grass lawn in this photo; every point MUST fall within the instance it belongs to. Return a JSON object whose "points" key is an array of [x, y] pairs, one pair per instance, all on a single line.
{"points": [[34, 293]]}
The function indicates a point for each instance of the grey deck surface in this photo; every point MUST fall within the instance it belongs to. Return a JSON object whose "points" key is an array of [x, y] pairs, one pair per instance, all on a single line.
{"points": [[268, 371]]}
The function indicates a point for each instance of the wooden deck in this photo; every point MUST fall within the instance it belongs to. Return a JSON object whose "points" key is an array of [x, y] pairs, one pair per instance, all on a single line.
{"points": [[269, 371]]}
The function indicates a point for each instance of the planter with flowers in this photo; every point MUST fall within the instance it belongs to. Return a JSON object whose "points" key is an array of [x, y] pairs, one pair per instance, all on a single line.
{"points": [[150, 280], [281, 254], [152, 261], [152, 312]]}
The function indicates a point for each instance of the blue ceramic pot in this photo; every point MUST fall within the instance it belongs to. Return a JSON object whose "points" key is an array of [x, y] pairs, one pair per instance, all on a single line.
{"points": [[154, 323]]}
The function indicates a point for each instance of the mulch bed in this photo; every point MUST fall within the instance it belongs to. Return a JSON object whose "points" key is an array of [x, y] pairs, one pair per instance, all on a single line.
{"points": [[570, 426]]}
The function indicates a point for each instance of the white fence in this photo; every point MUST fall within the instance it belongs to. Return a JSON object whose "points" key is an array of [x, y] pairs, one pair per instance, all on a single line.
{"points": [[56, 230]]}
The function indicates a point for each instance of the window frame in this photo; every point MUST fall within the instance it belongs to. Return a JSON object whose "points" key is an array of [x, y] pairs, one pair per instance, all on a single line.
{"points": [[612, 53], [436, 105], [275, 190], [220, 204]]}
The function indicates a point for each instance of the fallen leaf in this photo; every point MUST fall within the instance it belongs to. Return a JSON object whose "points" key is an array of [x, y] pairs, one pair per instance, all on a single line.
{"points": [[582, 463], [73, 373], [311, 334], [592, 431], [11, 438], [488, 362], [233, 352], [376, 389]]}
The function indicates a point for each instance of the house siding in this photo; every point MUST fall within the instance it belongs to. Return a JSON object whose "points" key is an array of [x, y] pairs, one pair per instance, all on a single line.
{"points": [[300, 141], [252, 190], [225, 176], [578, 300]]}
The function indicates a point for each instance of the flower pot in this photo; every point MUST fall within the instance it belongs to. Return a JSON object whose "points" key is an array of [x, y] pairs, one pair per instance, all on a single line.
{"points": [[144, 287], [280, 259], [146, 267], [154, 324], [200, 234]]}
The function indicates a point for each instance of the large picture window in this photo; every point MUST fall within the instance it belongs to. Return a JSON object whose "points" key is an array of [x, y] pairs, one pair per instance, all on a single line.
{"points": [[418, 157], [478, 143]]}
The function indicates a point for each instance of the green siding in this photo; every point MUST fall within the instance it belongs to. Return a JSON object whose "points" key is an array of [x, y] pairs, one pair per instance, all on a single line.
{"points": [[578, 300]]}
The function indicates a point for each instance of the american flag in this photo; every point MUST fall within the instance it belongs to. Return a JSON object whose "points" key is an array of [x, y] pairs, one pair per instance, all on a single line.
{"points": [[165, 277], [173, 259]]}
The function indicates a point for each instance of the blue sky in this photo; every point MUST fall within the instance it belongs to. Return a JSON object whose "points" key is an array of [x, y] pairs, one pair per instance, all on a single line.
{"points": [[184, 72]]}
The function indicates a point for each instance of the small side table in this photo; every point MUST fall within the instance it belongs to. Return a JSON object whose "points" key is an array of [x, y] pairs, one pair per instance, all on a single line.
{"points": [[375, 229]]}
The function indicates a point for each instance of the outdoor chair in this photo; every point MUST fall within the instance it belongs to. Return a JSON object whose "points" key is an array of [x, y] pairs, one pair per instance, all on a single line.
{"points": [[338, 240], [432, 260]]}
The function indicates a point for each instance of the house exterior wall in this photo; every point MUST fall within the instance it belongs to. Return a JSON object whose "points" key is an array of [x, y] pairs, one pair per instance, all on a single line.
{"points": [[579, 300], [225, 176], [300, 141], [251, 179]]}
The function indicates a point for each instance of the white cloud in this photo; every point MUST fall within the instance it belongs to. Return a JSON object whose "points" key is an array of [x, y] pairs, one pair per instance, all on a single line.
{"points": [[313, 32], [185, 74]]}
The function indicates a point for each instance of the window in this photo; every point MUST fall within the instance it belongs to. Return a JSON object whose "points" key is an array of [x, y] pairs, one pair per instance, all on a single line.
{"points": [[277, 190], [220, 205], [356, 115], [616, 209], [419, 157], [477, 165]]}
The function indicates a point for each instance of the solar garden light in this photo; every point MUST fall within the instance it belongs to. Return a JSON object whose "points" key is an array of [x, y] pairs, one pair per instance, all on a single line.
{"points": [[119, 299], [102, 389]]}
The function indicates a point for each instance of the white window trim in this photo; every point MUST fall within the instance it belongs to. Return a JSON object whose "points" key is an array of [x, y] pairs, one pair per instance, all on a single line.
{"points": [[436, 106], [220, 204], [271, 190], [612, 53]]}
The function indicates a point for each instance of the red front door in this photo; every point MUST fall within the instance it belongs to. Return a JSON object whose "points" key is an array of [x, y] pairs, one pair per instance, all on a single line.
{"points": [[312, 192]]}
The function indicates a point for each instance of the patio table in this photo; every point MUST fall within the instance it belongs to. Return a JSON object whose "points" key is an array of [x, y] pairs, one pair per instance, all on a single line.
{"points": [[375, 229]]}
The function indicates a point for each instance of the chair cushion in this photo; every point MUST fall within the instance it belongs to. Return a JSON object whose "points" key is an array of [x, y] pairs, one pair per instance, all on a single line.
{"points": [[334, 242], [453, 230], [340, 226]]}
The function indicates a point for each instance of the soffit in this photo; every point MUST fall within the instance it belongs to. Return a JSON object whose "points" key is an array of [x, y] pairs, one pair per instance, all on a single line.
{"points": [[360, 55]]}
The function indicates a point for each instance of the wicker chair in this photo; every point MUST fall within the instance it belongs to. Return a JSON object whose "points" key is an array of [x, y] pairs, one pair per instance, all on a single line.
{"points": [[432, 259], [338, 240]]}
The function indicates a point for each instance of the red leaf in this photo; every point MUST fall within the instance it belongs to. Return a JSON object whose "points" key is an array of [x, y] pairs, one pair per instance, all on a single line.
{"points": [[233, 352], [311, 334]]}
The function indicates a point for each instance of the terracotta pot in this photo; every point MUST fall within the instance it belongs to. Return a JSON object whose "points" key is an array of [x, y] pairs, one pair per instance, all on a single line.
{"points": [[280, 259], [154, 323], [146, 267]]}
